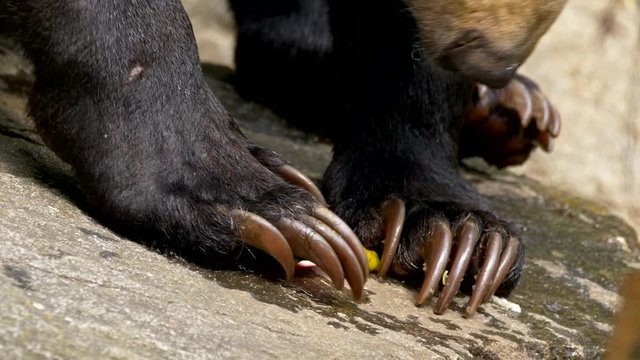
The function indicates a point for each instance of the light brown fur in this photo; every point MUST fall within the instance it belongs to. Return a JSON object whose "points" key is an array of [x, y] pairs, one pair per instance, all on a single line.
{"points": [[508, 29]]}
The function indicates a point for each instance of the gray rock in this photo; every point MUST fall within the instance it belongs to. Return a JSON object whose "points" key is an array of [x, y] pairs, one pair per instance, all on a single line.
{"points": [[72, 288]]}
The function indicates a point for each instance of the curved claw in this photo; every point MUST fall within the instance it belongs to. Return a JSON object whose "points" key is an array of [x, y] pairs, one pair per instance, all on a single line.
{"points": [[546, 141], [547, 122], [509, 255], [467, 238], [439, 248], [331, 219], [487, 273], [516, 96], [296, 177], [351, 265], [259, 233], [308, 244], [393, 214], [555, 122], [541, 111]]}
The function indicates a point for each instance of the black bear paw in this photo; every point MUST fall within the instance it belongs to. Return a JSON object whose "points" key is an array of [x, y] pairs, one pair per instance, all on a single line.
{"points": [[473, 251], [211, 208], [505, 125], [459, 244]]}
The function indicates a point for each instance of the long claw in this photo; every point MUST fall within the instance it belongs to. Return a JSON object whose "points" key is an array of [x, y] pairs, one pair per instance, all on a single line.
{"points": [[351, 266], [517, 97], [259, 233], [546, 141], [296, 177], [467, 237], [487, 273], [541, 111], [308, 244], [393, 214], [439, 248], [331, 219], [555, 122], [506, 261]]}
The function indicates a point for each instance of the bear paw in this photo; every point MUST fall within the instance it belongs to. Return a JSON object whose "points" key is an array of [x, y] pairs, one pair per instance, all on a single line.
{"points": [[426, 221], [451, 246], [505, 125]]}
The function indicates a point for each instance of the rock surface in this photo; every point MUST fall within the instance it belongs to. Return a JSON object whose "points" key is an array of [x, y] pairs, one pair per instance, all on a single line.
{"points": [[71, 288]]}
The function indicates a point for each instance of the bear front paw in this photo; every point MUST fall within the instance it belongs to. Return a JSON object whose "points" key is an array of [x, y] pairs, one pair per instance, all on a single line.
{"points": [[427, 223], [503, 126], [451, 246]]}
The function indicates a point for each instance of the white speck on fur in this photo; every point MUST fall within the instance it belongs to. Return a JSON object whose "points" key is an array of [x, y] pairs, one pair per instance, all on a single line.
{"points": [[135, 73]]}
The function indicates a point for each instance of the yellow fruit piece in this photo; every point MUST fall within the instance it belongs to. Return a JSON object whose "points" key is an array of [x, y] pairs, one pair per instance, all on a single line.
{"points": [[372, 259]]}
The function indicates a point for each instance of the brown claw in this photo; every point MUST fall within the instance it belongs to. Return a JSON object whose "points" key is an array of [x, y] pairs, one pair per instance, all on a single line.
{"points": [[555, 122], [467, 238], [541, 111], [351, 266], [546, 141], [393, 214], [308, 244], [331, 219], [506, 261], [487, 273], [296, 177], [439, 248], [517, 97], [259, 233]]}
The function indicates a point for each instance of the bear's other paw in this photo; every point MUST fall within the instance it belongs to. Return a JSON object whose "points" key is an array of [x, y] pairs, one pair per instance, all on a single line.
{"points": [[454, 247], [503, 126], [427, 223]]}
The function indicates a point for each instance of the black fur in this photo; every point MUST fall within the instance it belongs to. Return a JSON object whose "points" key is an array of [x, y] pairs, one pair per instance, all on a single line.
{"points": [[120, 95]]}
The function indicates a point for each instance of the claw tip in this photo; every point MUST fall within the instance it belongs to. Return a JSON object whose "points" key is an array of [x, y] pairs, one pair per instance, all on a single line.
{"points": [[469, 311], [439, 310]]}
